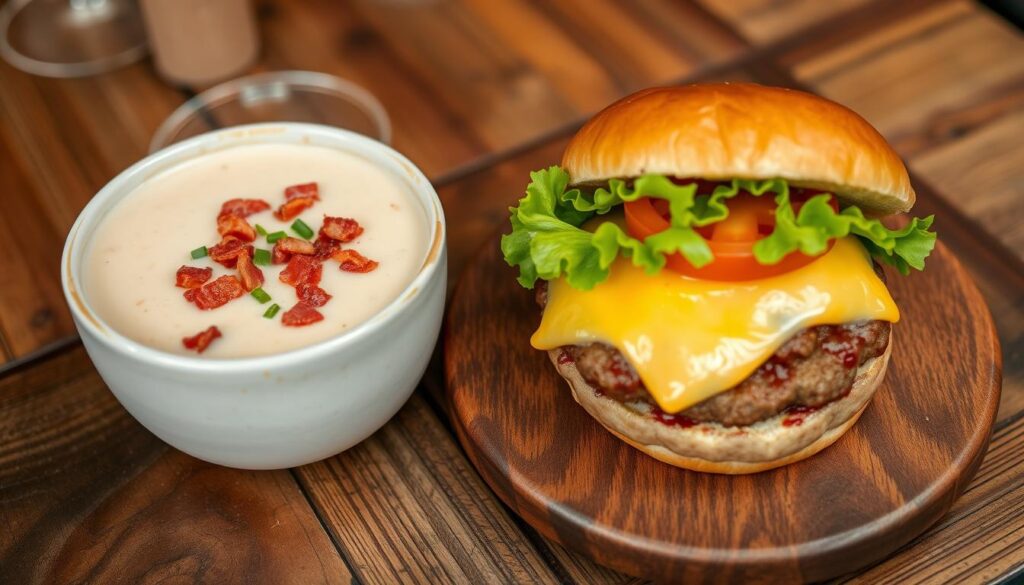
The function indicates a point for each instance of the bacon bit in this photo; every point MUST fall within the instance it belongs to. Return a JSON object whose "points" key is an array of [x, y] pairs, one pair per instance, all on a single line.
{"points": [[243, 207], [191, 277], [311, 190], [301, 269], [228, 250], [279, 256], [285, 247], [292, 245], [235, 226], [200, 341], [342, 229], [250, 275], [312, 294], [352, 261], [216, 293], [293, 208], [325, 247], [299, 315]]}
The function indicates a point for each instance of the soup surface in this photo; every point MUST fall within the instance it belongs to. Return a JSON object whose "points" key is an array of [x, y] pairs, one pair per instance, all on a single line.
{"points": [[132, 259]]}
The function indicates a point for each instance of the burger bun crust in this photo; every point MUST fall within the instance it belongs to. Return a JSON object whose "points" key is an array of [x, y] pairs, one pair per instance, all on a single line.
{"points": [[724, 131]]}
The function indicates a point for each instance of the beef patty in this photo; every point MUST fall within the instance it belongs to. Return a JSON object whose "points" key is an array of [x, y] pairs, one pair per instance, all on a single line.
{"points": [[814, 367]]}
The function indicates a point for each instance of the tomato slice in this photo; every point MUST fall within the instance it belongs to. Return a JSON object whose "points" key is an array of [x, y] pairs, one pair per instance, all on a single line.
{"points": [[731, 240]]}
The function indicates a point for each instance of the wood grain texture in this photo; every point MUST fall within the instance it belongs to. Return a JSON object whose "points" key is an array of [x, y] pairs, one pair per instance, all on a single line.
{"points": [[578, 484], [981, 538], [32, 308], [999, 276], [406, 506], [912, 77], [463, 78], [986, 165], [60, 141], [342, 43], [88, 495], [763, 21]]}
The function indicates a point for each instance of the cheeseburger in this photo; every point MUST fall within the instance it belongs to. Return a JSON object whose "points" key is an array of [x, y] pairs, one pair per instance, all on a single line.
{"points": [[706, 260]]}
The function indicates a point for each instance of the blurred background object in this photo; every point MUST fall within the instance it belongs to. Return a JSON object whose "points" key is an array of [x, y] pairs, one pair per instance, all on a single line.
{"points": [[281, 96], [1012, 10], [71, 38], [200, 42]]}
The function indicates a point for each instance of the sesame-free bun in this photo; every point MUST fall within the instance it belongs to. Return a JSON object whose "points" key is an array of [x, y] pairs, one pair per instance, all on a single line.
{"points": [[713, 448], [722, 131]]}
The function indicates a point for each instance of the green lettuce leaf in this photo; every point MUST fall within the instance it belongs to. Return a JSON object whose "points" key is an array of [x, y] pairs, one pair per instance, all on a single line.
{"points": [[547, 241], [817, 224]]}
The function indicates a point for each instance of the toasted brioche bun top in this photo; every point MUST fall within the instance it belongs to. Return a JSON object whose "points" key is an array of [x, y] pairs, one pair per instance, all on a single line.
{"points": [[722, 131]]}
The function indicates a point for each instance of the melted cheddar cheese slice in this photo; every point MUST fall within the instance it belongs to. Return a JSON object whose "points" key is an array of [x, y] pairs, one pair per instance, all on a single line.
{"points": [[690, 339]]}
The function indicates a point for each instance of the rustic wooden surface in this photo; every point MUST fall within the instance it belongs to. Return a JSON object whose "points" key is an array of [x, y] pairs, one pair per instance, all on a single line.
{"points": [[893, 475], [480, 92]]}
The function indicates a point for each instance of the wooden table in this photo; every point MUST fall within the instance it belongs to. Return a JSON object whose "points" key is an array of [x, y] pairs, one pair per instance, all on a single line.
{"points": [[480, 92]]}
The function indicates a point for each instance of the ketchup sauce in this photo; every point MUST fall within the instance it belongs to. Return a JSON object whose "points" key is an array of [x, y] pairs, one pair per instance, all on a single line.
{"points": [[845, 346], [673, 420], [796, 414]]}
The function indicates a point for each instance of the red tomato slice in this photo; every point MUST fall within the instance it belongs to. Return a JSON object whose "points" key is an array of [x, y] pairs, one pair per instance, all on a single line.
{"points": [[731, 240]]}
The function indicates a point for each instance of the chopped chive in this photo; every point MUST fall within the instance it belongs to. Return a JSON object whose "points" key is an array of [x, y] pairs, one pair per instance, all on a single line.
{"points": [[260, 295], [272, 311], [302, 229], [199, 252], [271, 238], [261, 230], [261, 257]]}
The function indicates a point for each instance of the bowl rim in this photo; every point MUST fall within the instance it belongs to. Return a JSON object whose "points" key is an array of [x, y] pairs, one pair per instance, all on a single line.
{"points": [[87, 318]]}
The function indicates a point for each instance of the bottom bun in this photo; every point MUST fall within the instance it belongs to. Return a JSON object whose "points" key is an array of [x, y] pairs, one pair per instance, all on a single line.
{"points": [[714, 448]]}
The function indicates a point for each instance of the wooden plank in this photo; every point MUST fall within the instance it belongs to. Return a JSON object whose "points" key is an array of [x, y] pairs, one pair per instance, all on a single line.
{"points": [[60, 141], [646, 43], [406, 506], [912, 77], [764, 21], [468, 77], [32, 307], [1001, 281], [88, 495], [338, 41], [982, 173], [982, 537], [580, 569]]}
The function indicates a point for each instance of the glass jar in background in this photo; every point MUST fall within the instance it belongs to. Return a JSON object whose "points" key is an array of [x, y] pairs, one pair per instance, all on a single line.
{"points": [[200, 42]]}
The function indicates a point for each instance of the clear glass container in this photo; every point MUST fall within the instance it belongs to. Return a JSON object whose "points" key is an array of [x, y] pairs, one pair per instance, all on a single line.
{"points": [[71, 38], [280, 96]]}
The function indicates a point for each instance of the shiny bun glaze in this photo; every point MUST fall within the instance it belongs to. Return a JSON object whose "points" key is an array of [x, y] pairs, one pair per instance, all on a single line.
{"points": [[723, 131], [713, 448]]}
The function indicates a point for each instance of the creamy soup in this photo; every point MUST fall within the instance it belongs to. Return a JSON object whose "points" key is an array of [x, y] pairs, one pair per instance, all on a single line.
{"points": [[131, 263]]}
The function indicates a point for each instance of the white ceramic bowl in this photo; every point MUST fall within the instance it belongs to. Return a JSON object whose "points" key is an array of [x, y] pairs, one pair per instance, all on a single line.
{"points": [[272, 411]]}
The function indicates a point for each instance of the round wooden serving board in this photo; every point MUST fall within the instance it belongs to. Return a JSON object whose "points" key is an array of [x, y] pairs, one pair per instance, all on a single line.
{"points": [[894, 474]]}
